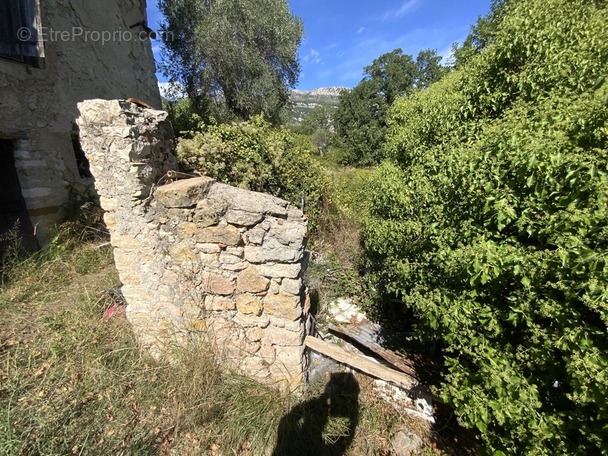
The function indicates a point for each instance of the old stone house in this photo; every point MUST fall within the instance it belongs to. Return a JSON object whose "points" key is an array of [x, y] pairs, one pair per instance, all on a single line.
{"points": [[54, 54]]}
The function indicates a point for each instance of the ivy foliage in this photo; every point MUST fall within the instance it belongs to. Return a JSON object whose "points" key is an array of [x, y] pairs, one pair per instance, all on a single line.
{"points": [[490, 222], [256, 156]]}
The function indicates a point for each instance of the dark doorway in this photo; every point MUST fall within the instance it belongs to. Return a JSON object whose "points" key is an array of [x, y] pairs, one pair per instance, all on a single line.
{"points": [[13, 212]]}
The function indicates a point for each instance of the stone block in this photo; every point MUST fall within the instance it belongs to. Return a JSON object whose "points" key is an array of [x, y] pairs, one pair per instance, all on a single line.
{"points": [[209, 260], [219, 303], [208, 248], [278, 270], [275, 286], [248, 304], [255, 236], [236, 251], [217, 284], [292, 356], [283, 306], [229, 235], [183, 193], [255, 367], [207, 214], [291, 286], [227, 258], [245, 200], [272, 251], [250, 321], [251, 281], [254, 334], [182, 252], [282, 337], [288, 232], [186, 229], [236, 267], [290, 325], [243, 218]]}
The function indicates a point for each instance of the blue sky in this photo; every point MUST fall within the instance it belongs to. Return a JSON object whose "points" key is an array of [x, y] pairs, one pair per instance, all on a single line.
{"points": [[342, 37]]}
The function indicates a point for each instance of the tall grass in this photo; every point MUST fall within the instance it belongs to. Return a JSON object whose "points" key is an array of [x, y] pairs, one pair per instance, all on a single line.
{"points": [[71, 383]]}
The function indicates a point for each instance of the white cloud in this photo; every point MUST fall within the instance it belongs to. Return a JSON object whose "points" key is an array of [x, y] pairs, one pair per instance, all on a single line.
{"points": [[313, 57], [361, 30], [402, 11]]}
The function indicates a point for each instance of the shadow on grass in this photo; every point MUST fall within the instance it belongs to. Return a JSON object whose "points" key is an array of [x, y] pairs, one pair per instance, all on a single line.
{"points": [[324, 425]]}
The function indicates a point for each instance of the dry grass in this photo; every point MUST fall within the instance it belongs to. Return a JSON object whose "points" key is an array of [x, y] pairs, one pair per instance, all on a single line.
{"points": [[73, 384]]}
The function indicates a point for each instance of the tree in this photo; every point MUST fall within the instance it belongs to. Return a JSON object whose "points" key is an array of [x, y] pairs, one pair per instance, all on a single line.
{"points": [[318, 124], [359, 123], [233, 57], [428, 69], [360, 119]]}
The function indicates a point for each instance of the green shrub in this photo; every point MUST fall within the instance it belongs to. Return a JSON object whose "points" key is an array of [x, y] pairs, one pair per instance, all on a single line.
{"points": [[491, 225], [255, 156]]}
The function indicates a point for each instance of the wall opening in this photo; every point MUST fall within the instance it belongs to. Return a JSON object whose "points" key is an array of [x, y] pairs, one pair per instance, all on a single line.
{"points": [[84, 168], [13, 211]]}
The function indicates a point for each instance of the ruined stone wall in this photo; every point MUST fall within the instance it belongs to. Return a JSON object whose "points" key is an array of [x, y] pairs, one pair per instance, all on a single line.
{"points": [[38, 106], [198, 259]]}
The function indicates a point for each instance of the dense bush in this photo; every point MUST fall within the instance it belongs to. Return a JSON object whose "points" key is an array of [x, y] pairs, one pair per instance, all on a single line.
{"points": [[491, 224], [256, 156]]}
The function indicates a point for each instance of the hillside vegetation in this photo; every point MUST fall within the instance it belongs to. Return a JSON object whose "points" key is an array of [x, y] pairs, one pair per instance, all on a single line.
{"points": [[489, 221]]}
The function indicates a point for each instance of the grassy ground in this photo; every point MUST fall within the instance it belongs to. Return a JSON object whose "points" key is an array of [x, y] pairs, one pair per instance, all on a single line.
{"points": [[71, 383]]}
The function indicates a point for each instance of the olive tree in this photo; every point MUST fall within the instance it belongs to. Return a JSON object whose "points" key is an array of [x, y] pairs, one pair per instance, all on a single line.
{"points": [[235, 58]]}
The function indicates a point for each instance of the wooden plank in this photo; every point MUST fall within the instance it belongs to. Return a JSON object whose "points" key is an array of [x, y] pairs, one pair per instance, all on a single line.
{"points": [[364, 337], [360, 363]]}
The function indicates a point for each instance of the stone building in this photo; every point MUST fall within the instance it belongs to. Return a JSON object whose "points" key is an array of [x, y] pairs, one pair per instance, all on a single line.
{"points": [[54, 54]]}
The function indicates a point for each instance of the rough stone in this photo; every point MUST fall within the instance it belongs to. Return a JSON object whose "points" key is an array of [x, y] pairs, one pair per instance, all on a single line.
{"points": [[406, 443], [209, 260], [228, 235], [275, 286], [248, 304], [255, 236], [243, 218], [272, 251], [291, 286], [288, 232], [249, 201], [291, 356], [123, 241], [254, 334], [209, 248], [282, 337], [183, 193], [217, 284], [207, 214], [288, 270], [249, 321], [218, 303], [182, 252], [186, 229], [255, 367], [283, 306], [235, 267], [251, 281]]}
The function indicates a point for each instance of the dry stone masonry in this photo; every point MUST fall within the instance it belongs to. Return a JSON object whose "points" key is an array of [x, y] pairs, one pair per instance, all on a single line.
{"points": [[198, 259]]}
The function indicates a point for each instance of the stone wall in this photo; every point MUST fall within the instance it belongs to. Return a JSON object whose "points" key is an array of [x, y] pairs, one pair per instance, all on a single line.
{"points": [[38, 106], [198, 258]]}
